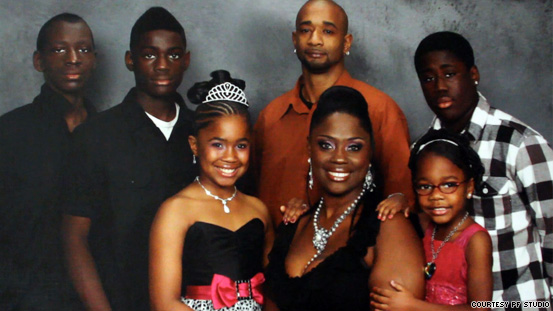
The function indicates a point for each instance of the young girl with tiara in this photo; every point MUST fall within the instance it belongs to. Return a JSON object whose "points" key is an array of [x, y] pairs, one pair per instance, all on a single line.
{"points": [[445, 172], [209, 242]]}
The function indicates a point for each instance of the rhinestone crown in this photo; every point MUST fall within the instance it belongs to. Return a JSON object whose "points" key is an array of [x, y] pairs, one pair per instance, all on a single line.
{"points": [[226, 91]]}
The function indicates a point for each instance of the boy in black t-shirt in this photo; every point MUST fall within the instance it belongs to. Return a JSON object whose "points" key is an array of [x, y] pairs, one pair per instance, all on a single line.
{"points": [[126, 162]]}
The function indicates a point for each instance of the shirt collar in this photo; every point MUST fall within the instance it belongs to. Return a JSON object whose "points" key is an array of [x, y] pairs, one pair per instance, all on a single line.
{"points": [[479, 118], [135, 112], [56, 105], [295, 99], [295, 102], [477, 121]]}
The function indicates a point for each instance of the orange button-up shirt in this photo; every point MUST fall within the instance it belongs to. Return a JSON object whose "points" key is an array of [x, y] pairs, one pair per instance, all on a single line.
{"points": [[280, 158]]}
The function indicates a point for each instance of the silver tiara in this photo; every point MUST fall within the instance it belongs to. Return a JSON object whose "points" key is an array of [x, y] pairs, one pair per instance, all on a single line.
{"points": [[436, 140], [226, 91]]}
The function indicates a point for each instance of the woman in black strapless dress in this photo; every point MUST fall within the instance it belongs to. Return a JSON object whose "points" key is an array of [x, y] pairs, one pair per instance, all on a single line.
{"points": [[332, 256], [209, 242]]}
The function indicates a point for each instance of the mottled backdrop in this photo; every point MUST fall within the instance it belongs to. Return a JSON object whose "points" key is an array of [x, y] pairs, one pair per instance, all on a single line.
{"points": [[252, 39]]}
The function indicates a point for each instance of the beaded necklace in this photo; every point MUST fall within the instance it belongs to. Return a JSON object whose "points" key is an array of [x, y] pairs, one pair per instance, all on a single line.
{"points": [[321, 235]]}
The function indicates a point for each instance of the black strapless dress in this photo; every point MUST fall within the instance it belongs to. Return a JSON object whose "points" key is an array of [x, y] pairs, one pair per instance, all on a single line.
{"points": [[340, 282], [213, 250]]}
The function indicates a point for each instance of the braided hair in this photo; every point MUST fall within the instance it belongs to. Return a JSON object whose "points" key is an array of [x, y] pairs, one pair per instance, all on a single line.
{"points": [[456, 148], [206, 113]]}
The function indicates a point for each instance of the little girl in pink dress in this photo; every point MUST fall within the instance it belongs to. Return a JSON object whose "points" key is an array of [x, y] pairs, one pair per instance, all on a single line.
{"points": [[446, 173]]}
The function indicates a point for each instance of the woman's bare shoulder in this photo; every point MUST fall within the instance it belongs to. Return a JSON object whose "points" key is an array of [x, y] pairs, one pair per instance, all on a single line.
{"points": [[397, 228]]}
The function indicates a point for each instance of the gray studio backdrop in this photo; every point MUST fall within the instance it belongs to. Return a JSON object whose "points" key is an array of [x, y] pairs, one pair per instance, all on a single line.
{"points": [[252, 39]]}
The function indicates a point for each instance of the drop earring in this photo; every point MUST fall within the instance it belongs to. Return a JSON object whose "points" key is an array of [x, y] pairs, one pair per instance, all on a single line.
{"points": [[193, 159], [367, 184], [310, 179], [294, 51]]}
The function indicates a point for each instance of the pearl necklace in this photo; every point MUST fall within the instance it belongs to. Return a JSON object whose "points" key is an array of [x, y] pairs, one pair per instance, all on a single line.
{"points": [[430, 267], [321, 235], [224, 201]]}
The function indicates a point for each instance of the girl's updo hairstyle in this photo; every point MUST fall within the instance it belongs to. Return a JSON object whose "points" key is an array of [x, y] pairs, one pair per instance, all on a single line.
{"points": [[454, 147], [206, 113], [345, 100]]}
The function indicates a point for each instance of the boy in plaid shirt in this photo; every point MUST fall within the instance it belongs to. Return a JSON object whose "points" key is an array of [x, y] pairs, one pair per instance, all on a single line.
{"points": [[515, 201]]}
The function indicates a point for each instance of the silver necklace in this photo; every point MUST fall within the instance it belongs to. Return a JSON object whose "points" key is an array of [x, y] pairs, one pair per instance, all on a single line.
{"points": [[321, 235], [430, 267], [224, 201]]}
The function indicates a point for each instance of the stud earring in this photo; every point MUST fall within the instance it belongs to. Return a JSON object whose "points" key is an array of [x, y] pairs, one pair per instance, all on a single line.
{"points": [[310, 180], [294, 51], [193, 159], [469, 195], [475, 82], [347, 53]]}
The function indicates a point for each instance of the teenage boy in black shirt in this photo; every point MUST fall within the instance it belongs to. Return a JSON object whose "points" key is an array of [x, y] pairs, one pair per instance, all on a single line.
{"points": [[34, 148], [127, 161]]}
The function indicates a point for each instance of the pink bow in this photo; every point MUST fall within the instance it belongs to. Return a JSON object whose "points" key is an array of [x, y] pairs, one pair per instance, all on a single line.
{"points": [[226, 292]]}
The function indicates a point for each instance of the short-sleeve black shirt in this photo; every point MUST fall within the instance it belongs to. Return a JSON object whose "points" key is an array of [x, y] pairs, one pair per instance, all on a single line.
{"points": [[122, 169]]}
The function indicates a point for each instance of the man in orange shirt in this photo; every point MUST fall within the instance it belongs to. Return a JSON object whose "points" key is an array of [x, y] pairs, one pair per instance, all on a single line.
{"points": [[321, 41]]}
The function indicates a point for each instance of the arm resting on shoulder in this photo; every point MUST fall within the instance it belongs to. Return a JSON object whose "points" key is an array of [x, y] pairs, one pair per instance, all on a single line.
{"points": [[82, 268]]}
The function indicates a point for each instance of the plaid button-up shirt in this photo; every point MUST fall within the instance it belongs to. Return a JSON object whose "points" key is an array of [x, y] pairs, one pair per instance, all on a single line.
{"points": [[515, 202]]}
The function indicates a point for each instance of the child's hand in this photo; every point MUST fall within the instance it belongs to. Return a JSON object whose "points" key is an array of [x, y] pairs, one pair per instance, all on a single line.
{"points": [[386, 299], [293, 210], [395, 203]]}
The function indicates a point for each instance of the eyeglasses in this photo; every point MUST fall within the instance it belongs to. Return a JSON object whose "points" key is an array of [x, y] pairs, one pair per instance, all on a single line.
{"points": [[445, 188]]}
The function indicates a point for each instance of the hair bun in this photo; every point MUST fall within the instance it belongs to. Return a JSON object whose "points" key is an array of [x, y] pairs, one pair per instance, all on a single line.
{"points": [[198, 92]]}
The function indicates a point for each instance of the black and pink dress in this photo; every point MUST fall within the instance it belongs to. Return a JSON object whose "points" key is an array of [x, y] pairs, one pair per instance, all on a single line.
{"points": [[222, 269]]}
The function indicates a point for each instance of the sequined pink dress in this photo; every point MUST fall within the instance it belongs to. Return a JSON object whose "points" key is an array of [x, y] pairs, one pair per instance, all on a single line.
{"points": [[448, 285]]}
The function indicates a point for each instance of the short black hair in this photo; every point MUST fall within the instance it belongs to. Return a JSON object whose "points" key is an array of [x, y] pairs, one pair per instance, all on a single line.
{"points": [[42, 38], [445, 41], [456, 148], [155, 18], [345, 100], [206, 113]]}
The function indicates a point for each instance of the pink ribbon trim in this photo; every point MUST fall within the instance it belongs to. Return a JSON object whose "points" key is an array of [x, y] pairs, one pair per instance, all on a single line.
{"points": [[225, 292]]}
